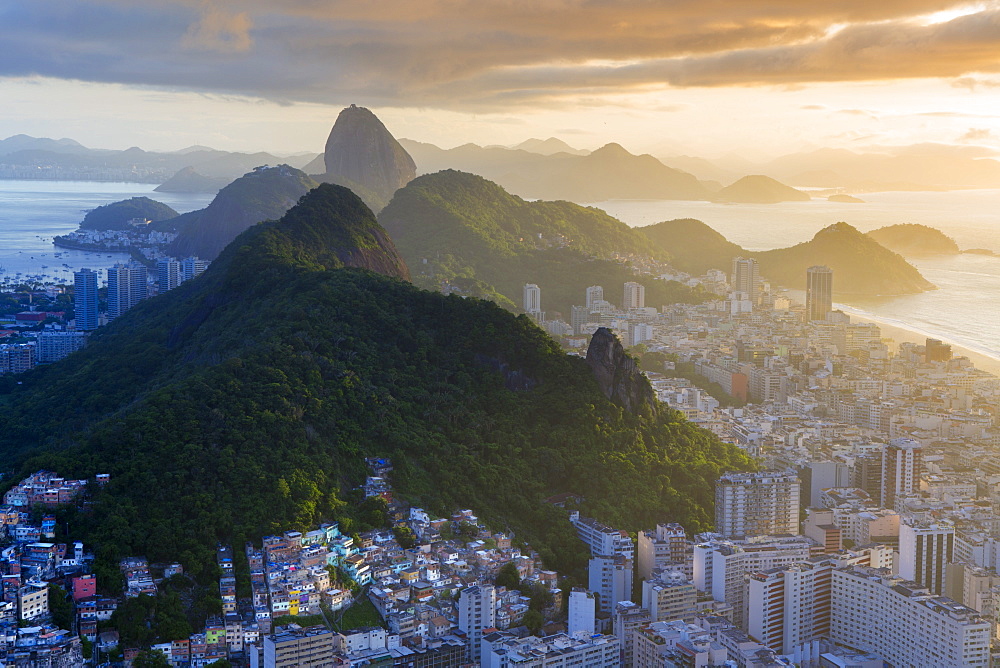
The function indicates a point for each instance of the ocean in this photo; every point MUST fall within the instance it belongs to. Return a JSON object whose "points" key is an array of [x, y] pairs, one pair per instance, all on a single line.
{"points": [[964, 310], [32, 212]]}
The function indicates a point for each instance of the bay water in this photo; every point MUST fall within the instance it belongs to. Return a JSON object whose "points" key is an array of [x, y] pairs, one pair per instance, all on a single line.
{"points": [[32, 212]]}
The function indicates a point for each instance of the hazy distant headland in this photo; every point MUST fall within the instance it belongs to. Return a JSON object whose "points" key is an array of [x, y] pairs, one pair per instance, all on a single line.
{"points": [[862, 265]]}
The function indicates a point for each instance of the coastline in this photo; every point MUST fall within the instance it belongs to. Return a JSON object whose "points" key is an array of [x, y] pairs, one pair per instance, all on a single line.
{"points": [[901, 332]]}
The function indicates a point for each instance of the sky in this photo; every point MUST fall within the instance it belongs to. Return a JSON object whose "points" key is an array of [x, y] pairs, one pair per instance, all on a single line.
{"points": [[757, 78]]}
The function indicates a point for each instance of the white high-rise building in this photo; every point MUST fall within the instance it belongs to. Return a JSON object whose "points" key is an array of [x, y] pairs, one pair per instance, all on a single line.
{"points": [[611, 580], [906, 626], [168, 274], [582, 611], [506, 650], [757, 504], [746, 278], [721, 567], [476, 611], [595, 293], [126, 288], [85, 302], [634, 297], [925, 550], [641, 331], [600, 538], [902, 464], [532, 298]]}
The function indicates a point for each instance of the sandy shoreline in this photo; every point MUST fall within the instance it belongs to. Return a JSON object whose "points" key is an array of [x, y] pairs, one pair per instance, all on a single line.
{"points": [[901, 334]]}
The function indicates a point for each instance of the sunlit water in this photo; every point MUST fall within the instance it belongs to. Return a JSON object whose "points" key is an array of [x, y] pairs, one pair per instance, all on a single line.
{"points": [[32, 212], [965, 309]]}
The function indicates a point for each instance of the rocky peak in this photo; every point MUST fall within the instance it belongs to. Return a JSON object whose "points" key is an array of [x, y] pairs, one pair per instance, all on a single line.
{"points": [[329, 228], [361, 151], [618, 374]]}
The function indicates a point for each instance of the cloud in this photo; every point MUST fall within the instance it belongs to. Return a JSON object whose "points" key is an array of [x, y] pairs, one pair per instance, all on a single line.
{"points": [[218, 30], [976, 135], [479, 55], [972, 83]]}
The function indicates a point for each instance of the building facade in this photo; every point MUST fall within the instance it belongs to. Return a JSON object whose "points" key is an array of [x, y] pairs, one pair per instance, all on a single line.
{"points": [[757, 504], [819, 292]]}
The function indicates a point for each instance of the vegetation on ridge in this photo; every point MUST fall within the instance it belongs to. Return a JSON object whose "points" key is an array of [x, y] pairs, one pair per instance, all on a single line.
{"points": [[460, 229], [242, 403], [861, 266], [115, 216], [915, 239]]}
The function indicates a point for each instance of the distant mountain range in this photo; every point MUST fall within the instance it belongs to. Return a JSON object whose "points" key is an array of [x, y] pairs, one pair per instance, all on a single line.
{"points": [[26, 157], [610, 172], [538, 168]]}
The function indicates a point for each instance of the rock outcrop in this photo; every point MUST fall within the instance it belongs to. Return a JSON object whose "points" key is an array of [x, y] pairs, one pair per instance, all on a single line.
{"points": [[364, 156], [618, 374]]}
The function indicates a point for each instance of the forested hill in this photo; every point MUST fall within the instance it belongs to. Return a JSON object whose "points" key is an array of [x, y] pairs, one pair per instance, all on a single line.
{"points": [[242, 403], [266, 193], [116, 216], [861, 266], [461, 229]]}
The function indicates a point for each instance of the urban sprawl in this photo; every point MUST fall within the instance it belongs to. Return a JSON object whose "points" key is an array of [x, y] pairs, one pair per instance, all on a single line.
{"points": [[870, 536]]}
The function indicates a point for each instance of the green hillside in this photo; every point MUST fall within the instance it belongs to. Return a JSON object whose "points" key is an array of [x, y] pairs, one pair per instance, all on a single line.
{"points": [[458, 228], [694, 246], [263, 194], [115, 216], [913, 239], [242, 402], [860, 264]]}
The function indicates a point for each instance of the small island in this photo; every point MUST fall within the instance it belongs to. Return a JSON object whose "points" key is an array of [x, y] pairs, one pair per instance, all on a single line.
{"points": [[845, 199], [758, 189]]}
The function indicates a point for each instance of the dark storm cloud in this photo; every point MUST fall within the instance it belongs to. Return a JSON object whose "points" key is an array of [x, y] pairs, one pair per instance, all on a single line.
{"points": [[465, 54]]}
